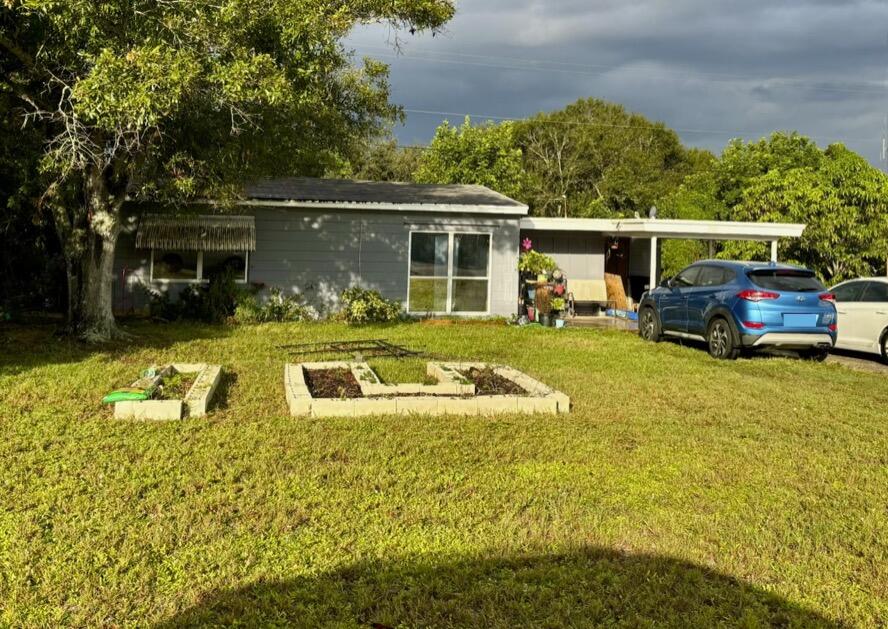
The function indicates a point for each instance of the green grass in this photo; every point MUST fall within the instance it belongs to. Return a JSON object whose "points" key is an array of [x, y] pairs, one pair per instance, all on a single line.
{"points": [[679, 491]]}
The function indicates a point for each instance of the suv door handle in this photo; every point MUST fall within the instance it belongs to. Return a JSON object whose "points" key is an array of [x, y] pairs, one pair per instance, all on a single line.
{"points": [[844, 312], [881, 312]]}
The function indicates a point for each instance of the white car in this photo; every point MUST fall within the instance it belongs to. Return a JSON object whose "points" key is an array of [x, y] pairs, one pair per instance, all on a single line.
{"points": [[862, 307]]}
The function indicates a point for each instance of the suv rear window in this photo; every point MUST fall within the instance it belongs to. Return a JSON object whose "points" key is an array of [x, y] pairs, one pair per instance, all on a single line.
{"points": [[797, 281]]}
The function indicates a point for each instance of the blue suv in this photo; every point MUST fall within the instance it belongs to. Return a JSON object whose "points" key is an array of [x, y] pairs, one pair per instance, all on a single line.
{"points": [[737, 305]]}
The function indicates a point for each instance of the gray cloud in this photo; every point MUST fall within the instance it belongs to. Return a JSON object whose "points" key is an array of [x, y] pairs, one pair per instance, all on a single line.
{"points": [[711, 69]]}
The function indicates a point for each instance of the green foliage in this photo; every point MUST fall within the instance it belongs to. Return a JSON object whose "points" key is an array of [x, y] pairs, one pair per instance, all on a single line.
{"points": [[187, 94], [213, 302], [247, 309], [379, 161], [278, 308], [361, 306], [536, 263], [675, 255], [696, 199], [841, 198], [485, 154], [595, 159]]}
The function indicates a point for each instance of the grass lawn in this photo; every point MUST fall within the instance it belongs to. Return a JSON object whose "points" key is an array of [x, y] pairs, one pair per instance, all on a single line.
{"points": [[679, 491]]}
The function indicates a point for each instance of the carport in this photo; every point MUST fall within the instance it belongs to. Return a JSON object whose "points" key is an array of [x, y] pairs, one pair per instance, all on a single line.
{"points": [[586, 248]]}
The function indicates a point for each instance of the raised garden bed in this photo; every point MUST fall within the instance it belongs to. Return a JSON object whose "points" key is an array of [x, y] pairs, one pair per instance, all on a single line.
{"points": [[488, 382], [176, 386], [182, 390], [324, 389], [332, 383]]}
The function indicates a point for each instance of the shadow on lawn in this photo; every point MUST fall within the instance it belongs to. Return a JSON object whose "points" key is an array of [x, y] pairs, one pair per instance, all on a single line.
{"points": [[24, 347], [590, 587]]}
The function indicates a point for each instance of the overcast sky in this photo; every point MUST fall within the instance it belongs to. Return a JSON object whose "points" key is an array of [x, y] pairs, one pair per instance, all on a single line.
{"points": [[710, 69]]}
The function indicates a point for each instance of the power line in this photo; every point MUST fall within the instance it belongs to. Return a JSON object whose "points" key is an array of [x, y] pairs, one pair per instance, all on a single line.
{"points": [[517, 63], [721, 132]]}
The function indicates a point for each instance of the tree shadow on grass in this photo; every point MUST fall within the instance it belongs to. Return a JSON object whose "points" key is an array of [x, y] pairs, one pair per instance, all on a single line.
{"points": [[587, 588], [222, 396], [24, 347]]}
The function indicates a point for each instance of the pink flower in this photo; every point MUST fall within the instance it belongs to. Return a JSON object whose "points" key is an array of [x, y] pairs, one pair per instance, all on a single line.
{"points": [[526, 244]]}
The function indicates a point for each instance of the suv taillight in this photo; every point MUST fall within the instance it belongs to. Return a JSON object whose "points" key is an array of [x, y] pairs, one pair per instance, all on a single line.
{"points": [[757, 295], [827, 297]]}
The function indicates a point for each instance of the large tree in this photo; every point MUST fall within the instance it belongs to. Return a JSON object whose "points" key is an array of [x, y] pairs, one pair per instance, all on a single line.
{"points": [[841, 198], [167, 100], [786, 177], [379, 159], [593, 158], [485, 154]]}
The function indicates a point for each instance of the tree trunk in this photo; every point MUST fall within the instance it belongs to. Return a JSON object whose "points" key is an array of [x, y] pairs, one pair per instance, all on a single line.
{"points": [[96, 316], [97, 322]]}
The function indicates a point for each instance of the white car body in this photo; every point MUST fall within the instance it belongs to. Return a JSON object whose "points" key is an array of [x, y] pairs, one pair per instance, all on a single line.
{"points": [[862, 308]]}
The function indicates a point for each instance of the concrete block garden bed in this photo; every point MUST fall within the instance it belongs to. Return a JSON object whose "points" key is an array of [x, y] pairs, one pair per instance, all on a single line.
{"points": [[352, 389], [187, 389]]}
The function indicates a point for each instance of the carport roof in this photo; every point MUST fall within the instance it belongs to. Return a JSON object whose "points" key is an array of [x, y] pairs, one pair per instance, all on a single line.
{"points": [[667, 228]]}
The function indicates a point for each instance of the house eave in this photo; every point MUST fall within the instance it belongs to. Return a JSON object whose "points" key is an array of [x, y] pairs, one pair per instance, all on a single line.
{"points": [[668, 228], [501, 210]]}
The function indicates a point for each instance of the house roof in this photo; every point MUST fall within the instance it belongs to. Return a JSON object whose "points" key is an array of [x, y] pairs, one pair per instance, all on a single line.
{"points": [[190, 233], [668, 228], [380, 195]]}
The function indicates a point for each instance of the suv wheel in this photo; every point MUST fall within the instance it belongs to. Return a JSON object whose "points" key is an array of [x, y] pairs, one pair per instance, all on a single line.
{"points": [[720, 340], [649, 326]]}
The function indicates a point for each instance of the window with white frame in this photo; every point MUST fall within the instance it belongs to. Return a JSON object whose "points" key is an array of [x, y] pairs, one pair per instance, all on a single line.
{"points": [[449, 272], [168, 265]]}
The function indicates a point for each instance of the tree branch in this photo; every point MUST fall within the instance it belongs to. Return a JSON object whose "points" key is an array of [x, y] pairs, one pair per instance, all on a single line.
{"points": [[17, 51]]}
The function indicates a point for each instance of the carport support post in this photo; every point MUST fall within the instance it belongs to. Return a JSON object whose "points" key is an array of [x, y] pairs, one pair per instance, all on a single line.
{"points": [[655, 263], [773, 251]]}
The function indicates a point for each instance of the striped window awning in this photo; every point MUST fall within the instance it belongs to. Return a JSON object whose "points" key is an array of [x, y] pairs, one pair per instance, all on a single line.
{"points": [[196, 233]]}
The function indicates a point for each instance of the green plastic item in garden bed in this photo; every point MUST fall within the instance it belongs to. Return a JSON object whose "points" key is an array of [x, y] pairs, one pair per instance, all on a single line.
{"points": [[127, 395]]}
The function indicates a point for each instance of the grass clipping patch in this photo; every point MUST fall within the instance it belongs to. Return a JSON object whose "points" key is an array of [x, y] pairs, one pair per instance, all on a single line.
{"points": [[332, 383], [488, 382]]}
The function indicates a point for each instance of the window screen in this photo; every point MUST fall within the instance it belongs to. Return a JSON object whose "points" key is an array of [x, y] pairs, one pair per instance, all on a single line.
{"points": [[449, 272], [471, 264]]}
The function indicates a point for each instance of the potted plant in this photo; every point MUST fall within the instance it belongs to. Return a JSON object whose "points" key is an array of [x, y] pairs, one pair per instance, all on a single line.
{"points": [[544, 305], [558, 308], [534, 264]]}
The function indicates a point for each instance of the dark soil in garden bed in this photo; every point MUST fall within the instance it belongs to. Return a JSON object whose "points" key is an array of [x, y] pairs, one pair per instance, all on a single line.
{"points": [[176, 387], [332, 383], [488, 382]]}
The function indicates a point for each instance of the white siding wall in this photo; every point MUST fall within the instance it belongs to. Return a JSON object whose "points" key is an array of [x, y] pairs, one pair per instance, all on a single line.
{"points": [[579, 255], [319, 254]]}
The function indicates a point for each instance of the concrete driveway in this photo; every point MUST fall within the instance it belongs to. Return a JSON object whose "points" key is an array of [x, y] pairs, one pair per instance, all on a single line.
{"points": [[857, 360]]}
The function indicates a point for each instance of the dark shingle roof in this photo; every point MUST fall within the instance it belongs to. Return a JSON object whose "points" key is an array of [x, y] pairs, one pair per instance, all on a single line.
{"points": [[306, 189]]}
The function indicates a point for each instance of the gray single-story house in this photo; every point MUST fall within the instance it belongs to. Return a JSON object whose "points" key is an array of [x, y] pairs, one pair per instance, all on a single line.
{"points": [[439, 249]]}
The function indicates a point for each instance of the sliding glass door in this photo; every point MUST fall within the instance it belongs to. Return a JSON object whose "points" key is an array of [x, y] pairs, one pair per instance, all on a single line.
{"points": [[449, 273]]}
